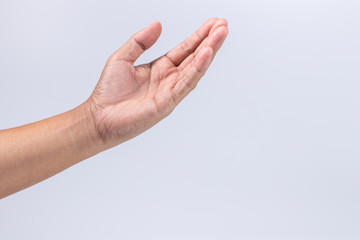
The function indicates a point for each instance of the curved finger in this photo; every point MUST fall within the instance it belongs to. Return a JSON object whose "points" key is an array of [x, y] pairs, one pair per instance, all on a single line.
{"points": [[192, 73], [188, 46], [191, 77], [212, 40]]}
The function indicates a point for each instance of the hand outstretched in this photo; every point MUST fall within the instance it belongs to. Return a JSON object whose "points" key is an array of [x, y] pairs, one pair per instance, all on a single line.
{"points": [[130, 99]]}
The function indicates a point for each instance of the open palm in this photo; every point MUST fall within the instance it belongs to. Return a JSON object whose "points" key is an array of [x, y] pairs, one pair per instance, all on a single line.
{"points": [[130, 99]]}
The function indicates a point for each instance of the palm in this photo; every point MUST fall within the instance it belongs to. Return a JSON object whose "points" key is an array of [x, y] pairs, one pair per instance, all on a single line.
{"points": [[129, 99], [125, 82]]}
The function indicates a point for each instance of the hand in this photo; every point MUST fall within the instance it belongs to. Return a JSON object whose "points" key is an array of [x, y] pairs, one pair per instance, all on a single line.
{"points": [[126, 101], [130, 99]]}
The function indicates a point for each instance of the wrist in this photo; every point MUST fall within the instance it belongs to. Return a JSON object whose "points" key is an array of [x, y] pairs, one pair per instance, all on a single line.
{"points": [[85, 114]]}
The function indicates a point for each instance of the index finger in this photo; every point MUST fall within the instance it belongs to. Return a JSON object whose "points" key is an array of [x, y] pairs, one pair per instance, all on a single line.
{"points": [[189, 45]]}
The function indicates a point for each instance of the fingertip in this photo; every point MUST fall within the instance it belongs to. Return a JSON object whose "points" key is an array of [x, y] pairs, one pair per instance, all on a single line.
{"points": [[219, 23], [226, 31], [156, 28], [149, 35], [217, 38], [212, 19], [225, 22], [158, 25]]}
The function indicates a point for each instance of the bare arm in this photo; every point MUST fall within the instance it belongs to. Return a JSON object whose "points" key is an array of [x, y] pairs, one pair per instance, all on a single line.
{"points": [[127, 101]]}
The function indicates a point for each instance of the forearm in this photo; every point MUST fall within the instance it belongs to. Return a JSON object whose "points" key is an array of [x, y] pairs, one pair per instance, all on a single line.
{"points": [[127, 101], [34, 152]]}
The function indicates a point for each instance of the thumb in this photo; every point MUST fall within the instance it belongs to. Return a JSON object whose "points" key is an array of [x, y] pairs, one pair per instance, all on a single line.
{"points": [[138, 43]]}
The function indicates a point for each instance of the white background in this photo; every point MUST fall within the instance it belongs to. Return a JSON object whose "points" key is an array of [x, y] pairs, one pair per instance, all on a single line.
{"points": [[267, 146]]}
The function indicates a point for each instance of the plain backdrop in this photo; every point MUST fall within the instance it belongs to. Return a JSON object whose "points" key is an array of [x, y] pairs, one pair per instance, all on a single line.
{"points": [[266, 147]]}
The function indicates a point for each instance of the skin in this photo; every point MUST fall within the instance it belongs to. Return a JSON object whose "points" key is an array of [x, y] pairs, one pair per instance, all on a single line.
{"points": [[126, 101]]}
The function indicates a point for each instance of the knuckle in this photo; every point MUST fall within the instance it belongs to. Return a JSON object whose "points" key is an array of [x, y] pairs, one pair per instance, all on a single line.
{"points": [[186, 48]]}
